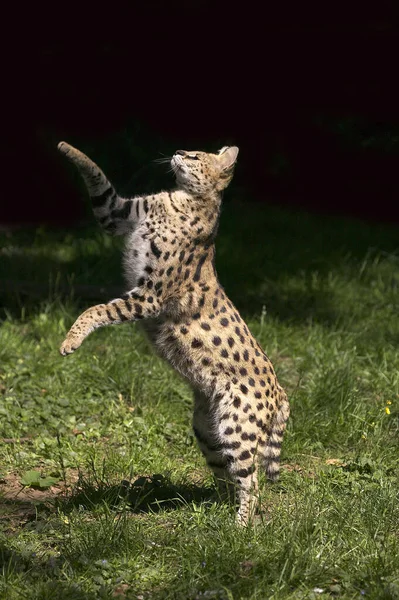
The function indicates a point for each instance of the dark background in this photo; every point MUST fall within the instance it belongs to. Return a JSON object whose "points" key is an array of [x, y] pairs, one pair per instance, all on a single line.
{"points": [[310, 97]]}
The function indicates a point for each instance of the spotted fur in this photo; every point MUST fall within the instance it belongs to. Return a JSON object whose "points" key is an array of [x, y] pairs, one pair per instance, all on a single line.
{"points": [[240, 410]]}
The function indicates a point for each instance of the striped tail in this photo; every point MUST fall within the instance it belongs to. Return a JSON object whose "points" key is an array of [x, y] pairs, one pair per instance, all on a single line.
{"points": [[101, 190], [273, 446]]}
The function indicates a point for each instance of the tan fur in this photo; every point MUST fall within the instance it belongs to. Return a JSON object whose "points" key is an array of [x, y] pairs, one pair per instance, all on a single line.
{"points": [[240, 410]]}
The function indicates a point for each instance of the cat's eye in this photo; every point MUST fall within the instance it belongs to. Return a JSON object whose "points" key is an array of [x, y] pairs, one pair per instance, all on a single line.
{"points": [[192, 156]]}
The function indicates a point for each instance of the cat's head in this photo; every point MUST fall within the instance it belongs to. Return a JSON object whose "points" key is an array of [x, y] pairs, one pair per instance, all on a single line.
{"points": [[201, 172]]}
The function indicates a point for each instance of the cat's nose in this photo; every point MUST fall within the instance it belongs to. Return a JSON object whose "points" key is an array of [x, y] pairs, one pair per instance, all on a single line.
{"points": [[181, 152]]}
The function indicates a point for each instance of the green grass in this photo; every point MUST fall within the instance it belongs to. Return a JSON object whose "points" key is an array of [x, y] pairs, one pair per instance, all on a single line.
{"points": [[112, 423]]}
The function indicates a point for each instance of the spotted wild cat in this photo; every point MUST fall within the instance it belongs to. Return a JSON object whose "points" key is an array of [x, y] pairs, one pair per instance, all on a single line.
{"points": [[240, 410]]}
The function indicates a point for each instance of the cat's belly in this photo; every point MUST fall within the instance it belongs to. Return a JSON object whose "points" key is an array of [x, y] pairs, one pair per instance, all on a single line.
{"points": [[137, 256]]}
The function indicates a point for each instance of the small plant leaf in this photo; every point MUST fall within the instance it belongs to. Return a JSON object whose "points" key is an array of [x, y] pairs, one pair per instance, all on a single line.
{"points": [[47, 482], [30, 478], [33, 479]]}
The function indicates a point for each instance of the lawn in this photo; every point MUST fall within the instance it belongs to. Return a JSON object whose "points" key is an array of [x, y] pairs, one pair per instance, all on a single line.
{"points": [[104, 493]]}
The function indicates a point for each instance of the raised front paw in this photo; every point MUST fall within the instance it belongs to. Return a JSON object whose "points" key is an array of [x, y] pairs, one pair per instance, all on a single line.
{"points": [[69, 345]]}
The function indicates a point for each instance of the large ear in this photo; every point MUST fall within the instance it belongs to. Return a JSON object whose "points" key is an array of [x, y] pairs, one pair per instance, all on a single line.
{"points": [[228, 157]]}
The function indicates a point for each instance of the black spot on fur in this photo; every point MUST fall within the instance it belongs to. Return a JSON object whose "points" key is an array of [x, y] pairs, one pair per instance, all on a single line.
{"points": [[202, 259], [124, 212], [243, 473], [120, 314], [233, 445], [98, 201], [155, 250], [244, 455], [196, 343]]}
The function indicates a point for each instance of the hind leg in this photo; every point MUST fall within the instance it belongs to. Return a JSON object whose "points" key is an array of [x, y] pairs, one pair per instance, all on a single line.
{"points": [[229, 452], [272, 450], [210, 447], [237, 483], [246, 483]]}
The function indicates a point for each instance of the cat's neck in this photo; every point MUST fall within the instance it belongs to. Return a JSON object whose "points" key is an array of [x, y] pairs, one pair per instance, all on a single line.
{"points": [[202, 211], [198, 203]]}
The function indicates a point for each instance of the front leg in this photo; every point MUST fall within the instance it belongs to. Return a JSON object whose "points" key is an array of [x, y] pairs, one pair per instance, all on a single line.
{"points": [[132, 307]]}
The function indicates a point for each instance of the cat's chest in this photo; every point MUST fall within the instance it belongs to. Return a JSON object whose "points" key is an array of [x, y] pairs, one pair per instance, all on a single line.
{"points": [[146, 249]]}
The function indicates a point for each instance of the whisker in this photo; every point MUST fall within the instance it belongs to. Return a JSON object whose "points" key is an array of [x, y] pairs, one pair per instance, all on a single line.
{"points": [[165, 159]]}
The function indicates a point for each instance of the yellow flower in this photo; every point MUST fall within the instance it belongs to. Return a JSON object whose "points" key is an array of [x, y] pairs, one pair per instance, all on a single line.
{"points": [[389, 402], [387, 410]]}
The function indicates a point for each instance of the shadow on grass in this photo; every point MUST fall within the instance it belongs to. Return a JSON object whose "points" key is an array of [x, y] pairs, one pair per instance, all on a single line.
{"points": [[145, 494], [18, 567]]}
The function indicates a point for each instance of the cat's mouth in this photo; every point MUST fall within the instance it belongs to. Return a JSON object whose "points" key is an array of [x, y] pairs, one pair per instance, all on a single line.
{"points": [[177, 163]]}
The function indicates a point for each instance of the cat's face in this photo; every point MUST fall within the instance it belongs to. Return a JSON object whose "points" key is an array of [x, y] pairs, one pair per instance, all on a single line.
{"points": [[202, 172]]}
